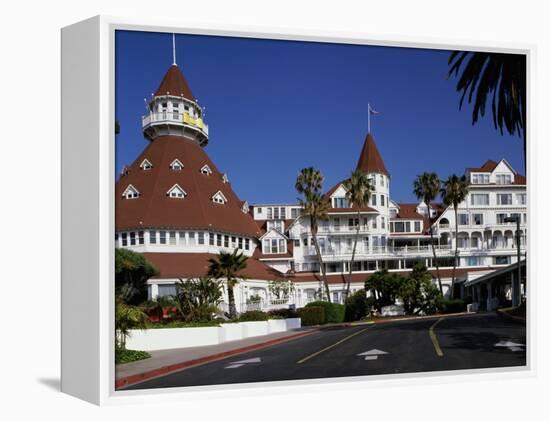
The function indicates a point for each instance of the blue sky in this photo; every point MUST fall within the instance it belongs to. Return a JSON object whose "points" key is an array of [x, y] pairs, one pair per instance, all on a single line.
{"points": [[274, 107]]}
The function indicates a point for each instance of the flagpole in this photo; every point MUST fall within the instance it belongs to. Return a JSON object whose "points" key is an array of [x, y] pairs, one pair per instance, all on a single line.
{"points": [[368, 119]]}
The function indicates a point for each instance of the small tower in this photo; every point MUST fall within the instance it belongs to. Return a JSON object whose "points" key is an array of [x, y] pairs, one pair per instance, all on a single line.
{"points": [[174, 111]]}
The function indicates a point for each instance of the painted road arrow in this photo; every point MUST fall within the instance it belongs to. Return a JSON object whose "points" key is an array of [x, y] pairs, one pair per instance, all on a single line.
{"points": [[372, 354], [512, 346], [237, 364]]}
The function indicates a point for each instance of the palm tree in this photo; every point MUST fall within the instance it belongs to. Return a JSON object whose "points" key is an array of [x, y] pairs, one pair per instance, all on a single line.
{"points": [[228, 266], [426, 188], [358, 191], [309, 183], [500, 78], [127, 317], [454, 191]]}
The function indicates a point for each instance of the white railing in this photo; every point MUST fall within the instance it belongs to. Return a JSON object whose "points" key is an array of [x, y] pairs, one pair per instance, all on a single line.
{"points": [[172, 117]]}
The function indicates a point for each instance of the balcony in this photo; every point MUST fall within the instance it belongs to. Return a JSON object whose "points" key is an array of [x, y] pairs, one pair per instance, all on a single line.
{"points": [[387, 251], [153, 120]]}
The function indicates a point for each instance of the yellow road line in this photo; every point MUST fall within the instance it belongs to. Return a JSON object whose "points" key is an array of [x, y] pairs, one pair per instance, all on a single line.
{"points": [[330, 346], [433, 337]]}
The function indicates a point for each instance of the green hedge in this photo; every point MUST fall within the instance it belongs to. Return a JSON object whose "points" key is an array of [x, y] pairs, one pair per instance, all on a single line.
{"points": [[334, 313], [452, 306], [282, 313], [311, 316], [357, 306], [253, 316]]}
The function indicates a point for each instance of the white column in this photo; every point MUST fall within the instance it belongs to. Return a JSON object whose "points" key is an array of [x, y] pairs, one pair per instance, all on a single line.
{"points": [[154, 291]]}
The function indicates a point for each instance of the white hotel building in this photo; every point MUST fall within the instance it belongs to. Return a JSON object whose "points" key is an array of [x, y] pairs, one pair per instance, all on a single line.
{"points": [[176, 207]]}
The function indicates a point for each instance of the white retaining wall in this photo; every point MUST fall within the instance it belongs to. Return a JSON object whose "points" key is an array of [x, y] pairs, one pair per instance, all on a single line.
{"points": [[185, 337]]}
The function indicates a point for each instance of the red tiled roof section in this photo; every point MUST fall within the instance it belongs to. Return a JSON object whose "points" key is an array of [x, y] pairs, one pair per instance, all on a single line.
{"points": [[174, 83], [408, 211], [370, 159], [489, 166], [189, 265], [154, 209]]}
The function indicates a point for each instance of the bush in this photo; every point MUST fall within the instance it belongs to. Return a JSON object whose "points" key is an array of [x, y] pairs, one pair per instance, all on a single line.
{"points": [[452, 306], [253, 316], [312, 316], [282, 313], [356, 306], [334, 313], [123, 356]]}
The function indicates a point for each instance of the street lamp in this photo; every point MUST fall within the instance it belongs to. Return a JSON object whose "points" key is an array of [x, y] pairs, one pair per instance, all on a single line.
{"points": [[516, 296]]}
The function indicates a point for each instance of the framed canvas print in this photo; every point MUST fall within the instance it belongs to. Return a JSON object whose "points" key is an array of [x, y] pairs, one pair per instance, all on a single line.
{"points": [[246, 209]]}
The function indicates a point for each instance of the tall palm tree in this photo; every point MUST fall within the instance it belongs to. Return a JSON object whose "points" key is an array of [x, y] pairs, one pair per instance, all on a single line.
{"points": [[316, 208], [426, 188], [229, 266], [453, 192], [359, 190], [500, 78], [309, 180]]}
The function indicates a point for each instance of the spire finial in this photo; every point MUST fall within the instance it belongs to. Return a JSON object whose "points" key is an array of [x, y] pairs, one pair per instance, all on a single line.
{"points": [[174, 49]]}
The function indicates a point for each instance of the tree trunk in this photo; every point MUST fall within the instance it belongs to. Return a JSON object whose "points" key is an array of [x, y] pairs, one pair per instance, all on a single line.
{"points": [[321, 266], [231, 298], [348, 286], [455, 264], [433, 250]]}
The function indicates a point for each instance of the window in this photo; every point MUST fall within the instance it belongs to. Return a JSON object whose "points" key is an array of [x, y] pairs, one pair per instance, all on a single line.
{"points": [[365, 243], [462, 242], [234, 242], [521, 199], [276, 213], [373, 200], [294, 213], [504, 199], [240, 243], [226, 241], [500, 218], [382, 203], [146, 165], [218, 240], [297, 243], [172, 238], [162, 237], [381, 180], [416, 226], [124, 239], [336, 224], [176, 165], [152, 237], [341, 202], [191, 238], [210, 239], [393, 213], [200, 237], [463, 219], [283, 213], [130, 193], [219, 198], [206, 170], [247, 244], [259, 211], [479, 199], [132, 238], [141, 238], [383, 223], [472, 261], [524, 218], [474, 242], [477, 219], [305, 241], [501, 260], [176, 192], [480, 178], [269, 213], [353, 223], [374, 222], [504, 178]]}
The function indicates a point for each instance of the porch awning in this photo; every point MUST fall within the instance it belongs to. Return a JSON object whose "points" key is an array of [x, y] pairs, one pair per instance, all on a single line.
{"points": [[496, 274]]}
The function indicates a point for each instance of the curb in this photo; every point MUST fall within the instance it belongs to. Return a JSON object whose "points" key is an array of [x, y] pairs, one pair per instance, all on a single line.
{"points": [[514, 319], [161, 371], [434, 316]]}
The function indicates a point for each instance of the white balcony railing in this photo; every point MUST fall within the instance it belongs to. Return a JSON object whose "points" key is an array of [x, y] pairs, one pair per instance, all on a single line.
{"points": [[183, 119]]}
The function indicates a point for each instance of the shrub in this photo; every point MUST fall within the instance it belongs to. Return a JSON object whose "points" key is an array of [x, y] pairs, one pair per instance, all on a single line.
{"points": [[452, 306], [282, 313], [334, 313], [356, 306], [123, 356], [253, 316], [312, 316]]}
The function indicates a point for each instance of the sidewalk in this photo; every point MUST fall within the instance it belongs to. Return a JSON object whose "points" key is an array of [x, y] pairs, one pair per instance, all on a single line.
{"points": [[170, 360]]}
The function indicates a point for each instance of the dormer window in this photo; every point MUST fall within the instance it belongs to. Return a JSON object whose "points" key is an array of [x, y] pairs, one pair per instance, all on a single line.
{"points": [[176, 165], [504, 179], [131, 192], [480, 178], [341, 202], [219, 198], [206, 170], [245, 208], [225, 179], [176, 192], [146, 165]]}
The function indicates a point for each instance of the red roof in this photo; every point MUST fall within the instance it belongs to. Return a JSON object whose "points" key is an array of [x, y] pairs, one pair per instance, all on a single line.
{"points": [[174, 84], [370, 159], [154, 209], [189, 265], [489, 166]]}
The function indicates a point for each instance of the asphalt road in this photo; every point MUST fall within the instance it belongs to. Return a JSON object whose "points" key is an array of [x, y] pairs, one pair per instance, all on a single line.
{"points": [[456, 343]]}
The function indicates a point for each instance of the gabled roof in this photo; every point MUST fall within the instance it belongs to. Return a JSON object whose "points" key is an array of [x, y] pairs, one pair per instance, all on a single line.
{"points": [[173, 83], [488, 166], [154, 209], [370, 159]]}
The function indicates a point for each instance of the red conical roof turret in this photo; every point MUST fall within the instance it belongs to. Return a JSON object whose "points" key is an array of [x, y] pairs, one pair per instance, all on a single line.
{"points": [[370, 159], [174, 84]]}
